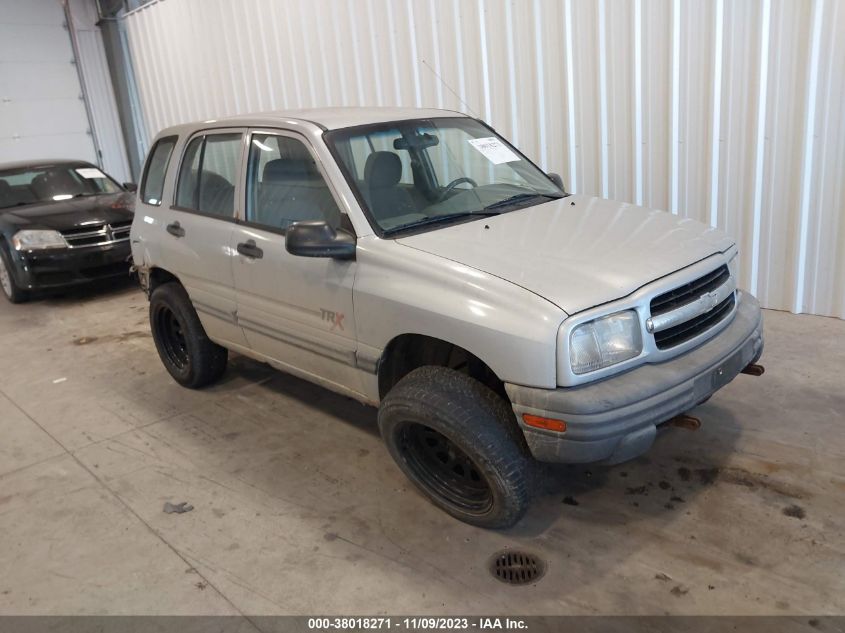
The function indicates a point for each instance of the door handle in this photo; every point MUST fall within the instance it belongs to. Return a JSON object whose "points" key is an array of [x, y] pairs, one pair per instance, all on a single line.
{"points": [[175, 229], [249, 249]]}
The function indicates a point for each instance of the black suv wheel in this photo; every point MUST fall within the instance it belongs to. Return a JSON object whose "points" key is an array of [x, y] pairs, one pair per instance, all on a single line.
{"points": [[458, 443], [188, 354]]}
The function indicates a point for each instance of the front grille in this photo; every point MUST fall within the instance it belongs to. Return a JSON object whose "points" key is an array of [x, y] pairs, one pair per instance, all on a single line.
{"points": [[687, 293], [690, 329], [98, 235], [685, 312]]}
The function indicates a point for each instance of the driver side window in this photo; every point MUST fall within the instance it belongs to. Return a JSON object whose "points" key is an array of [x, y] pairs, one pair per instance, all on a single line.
{"points": [[285, 186]]}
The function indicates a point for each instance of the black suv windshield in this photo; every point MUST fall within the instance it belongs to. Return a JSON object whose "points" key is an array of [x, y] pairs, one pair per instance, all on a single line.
{"points": [[45, 183], [426, 173]]}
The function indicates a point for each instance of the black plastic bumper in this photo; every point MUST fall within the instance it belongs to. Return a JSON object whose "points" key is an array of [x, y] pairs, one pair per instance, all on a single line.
{"points": [[616, 419], [42, 270]]}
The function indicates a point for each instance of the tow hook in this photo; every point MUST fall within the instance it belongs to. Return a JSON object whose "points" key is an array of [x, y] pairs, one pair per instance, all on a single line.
{"points": [[754, 370], [685, 421]]}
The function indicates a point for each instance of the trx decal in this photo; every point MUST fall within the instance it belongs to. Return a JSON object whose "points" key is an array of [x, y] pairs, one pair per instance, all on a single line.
{"points": [[335, 318]]}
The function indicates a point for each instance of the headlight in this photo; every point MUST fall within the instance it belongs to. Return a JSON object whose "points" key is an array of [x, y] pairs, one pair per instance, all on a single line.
{"points": [[604, 342], [37, 240]]}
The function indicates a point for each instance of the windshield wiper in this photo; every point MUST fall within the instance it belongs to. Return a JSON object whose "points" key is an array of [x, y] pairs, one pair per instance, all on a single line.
{"points": [[438, 219], [520, 197]]}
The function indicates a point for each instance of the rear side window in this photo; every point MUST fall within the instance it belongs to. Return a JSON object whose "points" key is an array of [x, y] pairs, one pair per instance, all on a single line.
{"points": [[156, 169], [208, 174]]}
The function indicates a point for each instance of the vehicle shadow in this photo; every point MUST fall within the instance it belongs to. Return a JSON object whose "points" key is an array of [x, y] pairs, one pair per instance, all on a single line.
{"points": [[278, 383], [658, 485], [89, 292]]}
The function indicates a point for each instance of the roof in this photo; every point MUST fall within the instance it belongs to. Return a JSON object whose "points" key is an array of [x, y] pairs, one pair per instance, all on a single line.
{"points": [[43, 162], [335, 118]]}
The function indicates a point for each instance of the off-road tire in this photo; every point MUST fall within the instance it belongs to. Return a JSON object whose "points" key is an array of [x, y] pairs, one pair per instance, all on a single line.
{"points": [[477, 422], [11, 290], [188, 354]]}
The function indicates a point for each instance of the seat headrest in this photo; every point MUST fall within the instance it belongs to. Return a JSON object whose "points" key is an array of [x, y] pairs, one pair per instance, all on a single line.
{"points": [[5, 187], [382, 170], [40, 186], [55, 182], [288, 170], [213, 179]]}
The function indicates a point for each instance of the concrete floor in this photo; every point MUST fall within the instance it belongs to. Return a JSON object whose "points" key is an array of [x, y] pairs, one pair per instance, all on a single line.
{"points": [[299, 509]]}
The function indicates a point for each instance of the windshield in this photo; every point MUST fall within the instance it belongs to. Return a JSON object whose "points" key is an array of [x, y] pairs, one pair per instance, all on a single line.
{"points": [[33, 185], [426, 173]]}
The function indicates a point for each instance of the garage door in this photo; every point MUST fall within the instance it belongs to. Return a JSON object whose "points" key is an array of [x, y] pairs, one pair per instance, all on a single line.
{"points": [[42, 114]]}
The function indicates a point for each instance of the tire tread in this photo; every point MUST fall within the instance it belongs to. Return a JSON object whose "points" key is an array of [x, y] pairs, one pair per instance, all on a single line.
{"points": [[473, 414]]}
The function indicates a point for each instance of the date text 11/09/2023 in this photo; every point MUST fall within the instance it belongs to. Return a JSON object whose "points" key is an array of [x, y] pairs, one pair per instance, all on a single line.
{"points": [[417, 623]]}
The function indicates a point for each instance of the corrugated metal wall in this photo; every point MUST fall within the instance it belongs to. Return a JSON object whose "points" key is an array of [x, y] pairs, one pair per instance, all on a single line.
{"points": [[730, 112], [95, 74]]}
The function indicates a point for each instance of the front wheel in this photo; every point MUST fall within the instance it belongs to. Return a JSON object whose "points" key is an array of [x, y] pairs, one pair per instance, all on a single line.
{"points": [[457, 442], [10, 288], [188, 354]]}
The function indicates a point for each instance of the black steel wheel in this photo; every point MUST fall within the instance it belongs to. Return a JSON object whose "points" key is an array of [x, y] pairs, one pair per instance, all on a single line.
{"points": [[187, 353], [439, 464], [172, 336], [459, 443]]}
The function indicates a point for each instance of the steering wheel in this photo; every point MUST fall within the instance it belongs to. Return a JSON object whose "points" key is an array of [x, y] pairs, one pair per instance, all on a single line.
{"points": [[453, 184]]}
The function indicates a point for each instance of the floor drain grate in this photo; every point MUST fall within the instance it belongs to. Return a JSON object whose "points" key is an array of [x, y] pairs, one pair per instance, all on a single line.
{"points": [[516, 568]]}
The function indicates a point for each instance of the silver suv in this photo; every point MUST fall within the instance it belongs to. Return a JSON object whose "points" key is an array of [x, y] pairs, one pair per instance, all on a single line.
{"points": [[417, 261]]}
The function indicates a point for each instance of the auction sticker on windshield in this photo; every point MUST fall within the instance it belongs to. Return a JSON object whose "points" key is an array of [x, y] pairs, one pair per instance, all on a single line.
{"points": [[494, 150], [90, 172]]}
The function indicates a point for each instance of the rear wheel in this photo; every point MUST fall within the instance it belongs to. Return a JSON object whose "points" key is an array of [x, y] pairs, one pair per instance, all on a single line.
{"points": [[10, 288], [188, 354], [457, 442]]}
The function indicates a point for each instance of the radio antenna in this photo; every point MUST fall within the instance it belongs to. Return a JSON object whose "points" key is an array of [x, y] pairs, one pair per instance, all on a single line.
{"points": [[449, 88]]}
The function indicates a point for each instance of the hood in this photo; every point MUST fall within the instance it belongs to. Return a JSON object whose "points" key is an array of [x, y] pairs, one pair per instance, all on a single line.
{"points": [[578, 252], [70, 214]]}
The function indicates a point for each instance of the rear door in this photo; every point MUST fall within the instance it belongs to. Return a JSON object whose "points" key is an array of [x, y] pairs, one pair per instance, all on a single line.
{"points": [[199, 225], [294, 310]]}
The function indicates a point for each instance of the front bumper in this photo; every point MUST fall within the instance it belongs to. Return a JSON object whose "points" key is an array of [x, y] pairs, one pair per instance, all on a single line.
{"points": [[42, 270], [615, 419]]}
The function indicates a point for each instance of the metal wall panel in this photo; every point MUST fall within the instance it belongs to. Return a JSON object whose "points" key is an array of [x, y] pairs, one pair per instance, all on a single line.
{"points": [[727, 112], [95, 73]]}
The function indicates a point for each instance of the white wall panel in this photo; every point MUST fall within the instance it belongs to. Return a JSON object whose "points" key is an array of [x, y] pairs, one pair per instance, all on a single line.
{"points": [[727, 112], [42, 114], [42, 111]]}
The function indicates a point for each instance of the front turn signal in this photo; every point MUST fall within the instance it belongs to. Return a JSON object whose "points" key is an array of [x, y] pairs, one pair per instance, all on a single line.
{"points": [[547, 424]]}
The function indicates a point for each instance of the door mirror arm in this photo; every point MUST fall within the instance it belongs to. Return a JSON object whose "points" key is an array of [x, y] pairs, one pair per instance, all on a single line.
{"points": [[318, 239]]}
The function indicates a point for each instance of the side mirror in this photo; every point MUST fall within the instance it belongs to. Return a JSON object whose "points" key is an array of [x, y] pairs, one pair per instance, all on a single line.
{"points": [[130, 186], [555, 178], [318, 239]]}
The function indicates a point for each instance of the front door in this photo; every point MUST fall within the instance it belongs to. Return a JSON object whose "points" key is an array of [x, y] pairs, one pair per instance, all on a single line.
{"points": [[296, 311]]}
